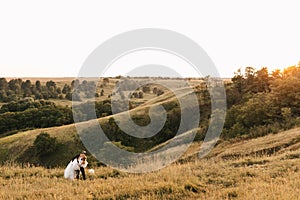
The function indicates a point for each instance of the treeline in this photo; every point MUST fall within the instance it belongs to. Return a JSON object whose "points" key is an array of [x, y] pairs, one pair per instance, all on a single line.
{"points": [[29, 114], [17, 89], [260, 102]]}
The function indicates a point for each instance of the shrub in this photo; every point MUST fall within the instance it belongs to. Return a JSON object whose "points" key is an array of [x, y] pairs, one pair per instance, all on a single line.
{"points": [[44, 144]]}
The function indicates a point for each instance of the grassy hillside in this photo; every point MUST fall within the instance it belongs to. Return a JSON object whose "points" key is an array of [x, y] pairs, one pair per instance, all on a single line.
{"points": [[262, 168], [19, 147]]}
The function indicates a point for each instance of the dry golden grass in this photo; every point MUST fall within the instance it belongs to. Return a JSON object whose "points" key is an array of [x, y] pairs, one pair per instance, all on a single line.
{"points": [[243, 175], [209, 179]]}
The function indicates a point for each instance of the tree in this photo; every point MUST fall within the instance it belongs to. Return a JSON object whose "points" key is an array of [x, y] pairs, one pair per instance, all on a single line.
{"points": [[26, 85], [155, 90], [146, 89], [69, 96], [262, 80], [292, 71], [160, 92], [3, 95], [3, 84], [141, 94], [50, 84], [238, 81], [276, 74], [286, 93], [66, 89], [15, 85], [27, 92], [44, 144], [38, 85], [135, 95], [75, 83], [105, 81], [58, 90], [249, 72]]}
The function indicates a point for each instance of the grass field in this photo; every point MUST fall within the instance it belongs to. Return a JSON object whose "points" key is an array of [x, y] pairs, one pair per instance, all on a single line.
{"points": [[262, 168]]}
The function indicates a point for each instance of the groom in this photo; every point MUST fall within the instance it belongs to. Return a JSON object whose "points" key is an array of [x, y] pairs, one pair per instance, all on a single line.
{"points": [[81, 167]]}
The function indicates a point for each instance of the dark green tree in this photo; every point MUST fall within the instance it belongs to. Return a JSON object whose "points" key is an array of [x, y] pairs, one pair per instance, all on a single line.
{"points": [[66, 89], [38, 85], [3, 84], [44, 144]]}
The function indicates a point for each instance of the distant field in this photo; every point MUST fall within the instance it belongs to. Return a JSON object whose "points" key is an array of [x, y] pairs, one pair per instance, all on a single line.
{"points": [[262, 168]]}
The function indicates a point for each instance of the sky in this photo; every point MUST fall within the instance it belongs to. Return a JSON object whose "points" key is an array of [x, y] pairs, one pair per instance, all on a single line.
{"points": [[54, 38]]}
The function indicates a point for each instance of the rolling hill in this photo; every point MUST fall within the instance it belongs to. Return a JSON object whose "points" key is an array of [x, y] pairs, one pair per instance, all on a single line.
{"points": [[19, 147]]}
